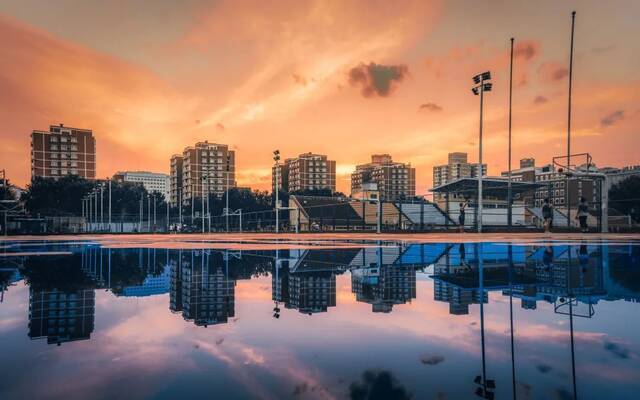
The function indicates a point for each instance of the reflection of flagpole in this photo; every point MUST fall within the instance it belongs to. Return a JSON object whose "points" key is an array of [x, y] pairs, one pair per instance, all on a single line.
{"points": [[513, 360], [573, 357], [485, 384]]}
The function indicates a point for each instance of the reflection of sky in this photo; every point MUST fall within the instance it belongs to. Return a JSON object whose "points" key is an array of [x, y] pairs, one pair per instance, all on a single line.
{"points": [[140, 349]]}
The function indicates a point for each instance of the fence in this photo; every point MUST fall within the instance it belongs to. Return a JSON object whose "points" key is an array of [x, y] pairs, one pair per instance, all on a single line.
{"points": [[337, 216]]}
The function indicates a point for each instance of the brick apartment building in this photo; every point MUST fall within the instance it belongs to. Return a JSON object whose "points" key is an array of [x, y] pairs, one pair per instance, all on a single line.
{"points": [[63, 151], [393, 180], [308, 171], [206, 168]]}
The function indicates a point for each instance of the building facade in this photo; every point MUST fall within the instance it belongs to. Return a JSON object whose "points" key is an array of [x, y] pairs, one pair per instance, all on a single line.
{"points": [[555, 185], [394, 180], [153, 182], [457, 167], [63, 151], [201, 170], [175, 180], [308, 171]]}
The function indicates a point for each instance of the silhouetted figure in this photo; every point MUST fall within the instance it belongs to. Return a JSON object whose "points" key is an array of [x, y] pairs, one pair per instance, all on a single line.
{"points": [[547, 258], [547, 215], [463, 206], [583, 213]]}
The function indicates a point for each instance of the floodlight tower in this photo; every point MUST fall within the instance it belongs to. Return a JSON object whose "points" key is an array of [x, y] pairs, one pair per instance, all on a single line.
{"points": [[276, 159], [482, 85]]}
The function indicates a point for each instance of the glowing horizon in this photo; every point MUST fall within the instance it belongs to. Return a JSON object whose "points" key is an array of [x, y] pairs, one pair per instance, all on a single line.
{"points": [[343, 79]]}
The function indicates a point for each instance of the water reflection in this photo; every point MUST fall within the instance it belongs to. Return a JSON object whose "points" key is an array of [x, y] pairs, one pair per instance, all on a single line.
{"points": [[201, 282], [200, 287]]}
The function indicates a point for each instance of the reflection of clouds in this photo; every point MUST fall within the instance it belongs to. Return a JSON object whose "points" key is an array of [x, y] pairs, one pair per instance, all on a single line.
{"points": [[617, 349], [280, 363]]}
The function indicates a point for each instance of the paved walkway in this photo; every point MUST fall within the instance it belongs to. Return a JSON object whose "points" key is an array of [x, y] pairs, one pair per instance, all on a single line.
{"points": [[265, 241]]}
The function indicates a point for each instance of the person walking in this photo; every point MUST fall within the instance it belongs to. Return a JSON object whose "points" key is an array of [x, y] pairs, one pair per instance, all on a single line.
{"points": [[463, 206], [583, 213], [547, 215]]}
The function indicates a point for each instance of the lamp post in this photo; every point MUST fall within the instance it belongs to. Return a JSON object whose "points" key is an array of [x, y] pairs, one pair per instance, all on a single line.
{"points": [[566, 188], [509, 190], [204, 179], [227, 195], [276, 158], [481, 86], [102, 206], [109, 205]]}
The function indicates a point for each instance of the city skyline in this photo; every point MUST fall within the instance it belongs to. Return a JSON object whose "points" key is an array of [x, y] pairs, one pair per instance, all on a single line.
{"points": [[268, 80]]}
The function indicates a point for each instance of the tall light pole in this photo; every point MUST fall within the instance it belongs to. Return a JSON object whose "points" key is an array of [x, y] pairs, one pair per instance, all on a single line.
{"points": [[180, 206], [154, 211], [202, 179], [276, 158], [109, 205], [95, 194], [479, 89], [509, 189], [101, 206], [566, 189], [227, 195]]}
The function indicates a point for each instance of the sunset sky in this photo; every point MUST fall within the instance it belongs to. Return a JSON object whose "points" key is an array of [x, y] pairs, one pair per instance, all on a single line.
{"points": [[342, 78]]}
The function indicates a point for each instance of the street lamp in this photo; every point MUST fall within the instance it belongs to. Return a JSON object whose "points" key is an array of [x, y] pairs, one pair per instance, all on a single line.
{"points": [[276, 158], [482, 86], [204, 180], [227, 194]]}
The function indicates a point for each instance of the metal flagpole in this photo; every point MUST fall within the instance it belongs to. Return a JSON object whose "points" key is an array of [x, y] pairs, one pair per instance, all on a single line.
{"points": [[479, 205], [109, 205], [566, 191], [509, 189]]}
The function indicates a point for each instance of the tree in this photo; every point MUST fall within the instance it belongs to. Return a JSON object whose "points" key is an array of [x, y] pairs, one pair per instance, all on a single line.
{"points": [[625, 197], [61, 196], [7, 192]]}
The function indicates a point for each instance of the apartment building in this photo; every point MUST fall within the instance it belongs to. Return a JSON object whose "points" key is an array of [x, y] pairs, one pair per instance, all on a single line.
{"points": [[393, 180], [153, 182], [457, 167], [308, 171], [175, 180], [206, 168], [63, 151], [555, 185]]}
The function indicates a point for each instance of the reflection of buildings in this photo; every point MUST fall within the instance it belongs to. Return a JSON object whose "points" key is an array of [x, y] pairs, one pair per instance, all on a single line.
{"points": [[203, 290], [459, 298], [312, 292], [305, 280], [384, 286], [61, 316], [583, 273], [151, 285]]}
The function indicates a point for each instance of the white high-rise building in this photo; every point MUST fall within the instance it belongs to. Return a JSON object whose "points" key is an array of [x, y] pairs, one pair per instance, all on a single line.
{"points": [[152, 181]]}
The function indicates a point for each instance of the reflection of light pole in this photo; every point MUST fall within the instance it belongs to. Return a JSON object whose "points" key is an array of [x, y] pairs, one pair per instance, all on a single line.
{"points": [[276, 309], [513, 360], [276, 158], [485, 385], [481, 87]]}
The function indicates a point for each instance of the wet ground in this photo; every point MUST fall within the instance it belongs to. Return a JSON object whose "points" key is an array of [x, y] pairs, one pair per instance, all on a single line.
{"points": [[320, 317]]}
